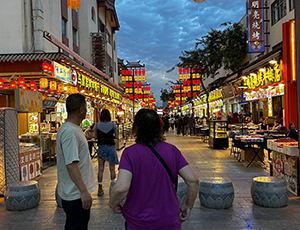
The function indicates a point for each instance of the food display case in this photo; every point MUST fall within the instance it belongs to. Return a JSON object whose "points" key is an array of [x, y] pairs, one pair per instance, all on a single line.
{"points": [[30, 157], [285, 162], [218, 138], [120, 135]]}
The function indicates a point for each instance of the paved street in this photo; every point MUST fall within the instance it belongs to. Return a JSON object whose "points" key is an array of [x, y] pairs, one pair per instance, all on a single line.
{"points": [[206, 162]]}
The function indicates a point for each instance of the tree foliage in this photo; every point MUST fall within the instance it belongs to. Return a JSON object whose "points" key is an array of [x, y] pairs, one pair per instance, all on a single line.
{"points": [[166, 95], [219, 48]]}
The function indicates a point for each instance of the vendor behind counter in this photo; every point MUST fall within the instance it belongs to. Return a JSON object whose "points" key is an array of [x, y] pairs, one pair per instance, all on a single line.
{"points": [[291, 133]]}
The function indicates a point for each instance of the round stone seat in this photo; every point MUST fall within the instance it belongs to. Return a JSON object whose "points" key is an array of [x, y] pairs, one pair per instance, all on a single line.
{"points": [[216, 193], [22, 195], [270, 192]]}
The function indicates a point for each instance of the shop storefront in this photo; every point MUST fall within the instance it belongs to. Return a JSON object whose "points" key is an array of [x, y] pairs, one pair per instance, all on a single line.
{"points": [[216, 101], [265, 92], [54, 77], [29, 107]]}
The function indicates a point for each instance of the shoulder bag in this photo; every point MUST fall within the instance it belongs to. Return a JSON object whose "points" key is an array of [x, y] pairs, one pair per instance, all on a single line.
{"points": [[164, 164]]}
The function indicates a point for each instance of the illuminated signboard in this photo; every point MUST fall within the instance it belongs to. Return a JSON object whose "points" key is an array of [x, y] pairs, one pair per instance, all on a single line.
{"points": [[215, 95], [61, 72], [107, 91], [269, 76], [255, 14], [87, 82], [265, 93]]}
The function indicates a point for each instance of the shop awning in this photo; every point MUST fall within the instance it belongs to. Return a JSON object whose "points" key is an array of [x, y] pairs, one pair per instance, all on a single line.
{"points": [[29, 57], [263, 61]]}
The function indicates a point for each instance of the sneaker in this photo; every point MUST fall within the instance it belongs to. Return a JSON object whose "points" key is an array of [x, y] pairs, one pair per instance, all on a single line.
{"points": [[100, 190]]}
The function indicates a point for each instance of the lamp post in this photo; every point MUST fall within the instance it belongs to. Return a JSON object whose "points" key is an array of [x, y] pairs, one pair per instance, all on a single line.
{"points": [[242, 87], [133, 66]]}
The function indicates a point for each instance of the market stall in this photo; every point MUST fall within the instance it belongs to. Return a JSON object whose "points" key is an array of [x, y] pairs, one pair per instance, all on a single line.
{"points": [[285, 162], [28, 105]]}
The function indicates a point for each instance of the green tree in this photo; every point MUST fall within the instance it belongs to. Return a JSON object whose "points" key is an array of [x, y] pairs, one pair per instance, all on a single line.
{"points": [[166, 95], [218, 48]]}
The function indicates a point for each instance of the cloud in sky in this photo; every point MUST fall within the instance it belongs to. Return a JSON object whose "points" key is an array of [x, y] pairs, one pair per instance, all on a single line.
{"points": [[156, 32]]}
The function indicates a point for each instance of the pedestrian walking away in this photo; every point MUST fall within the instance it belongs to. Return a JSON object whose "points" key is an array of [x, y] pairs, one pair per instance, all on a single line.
{"points": [[106, 131], [75, 174], [172, 121], [151, 199]]}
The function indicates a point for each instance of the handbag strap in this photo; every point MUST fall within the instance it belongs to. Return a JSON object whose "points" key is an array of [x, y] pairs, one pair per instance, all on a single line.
{"points": [[163, 163]]}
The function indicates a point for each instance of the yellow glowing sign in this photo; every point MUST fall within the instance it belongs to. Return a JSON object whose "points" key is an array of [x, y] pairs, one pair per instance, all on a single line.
{"points": [[107, 91], [87, 82], [261, 78], [215, 95]]}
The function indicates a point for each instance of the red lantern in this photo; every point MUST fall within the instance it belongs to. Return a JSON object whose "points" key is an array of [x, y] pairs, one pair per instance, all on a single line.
{"points": [[5, 87], [12, 84], [24, 87], [1, 82], [21, 81], [73, 4], [32, 84], [34, 89]]}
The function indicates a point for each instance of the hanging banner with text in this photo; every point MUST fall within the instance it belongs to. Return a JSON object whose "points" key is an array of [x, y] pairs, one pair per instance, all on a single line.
{"points": [[255, 12]]}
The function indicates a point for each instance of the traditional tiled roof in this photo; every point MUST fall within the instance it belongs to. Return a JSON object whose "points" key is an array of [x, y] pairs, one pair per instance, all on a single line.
{"points": [[29, 57]]}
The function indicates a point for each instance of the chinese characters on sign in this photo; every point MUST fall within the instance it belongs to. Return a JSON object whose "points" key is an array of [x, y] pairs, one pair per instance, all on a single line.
{"points": [[255, 13], [86, 82], [215, 95], [61, 72], [269, 76]]}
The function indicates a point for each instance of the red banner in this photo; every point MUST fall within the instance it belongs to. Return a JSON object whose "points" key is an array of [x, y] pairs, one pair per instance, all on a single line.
{"points": [[256, 37]]}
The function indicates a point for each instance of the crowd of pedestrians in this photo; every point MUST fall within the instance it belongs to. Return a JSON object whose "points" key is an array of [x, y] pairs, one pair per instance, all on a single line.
{"points": [[184, 125]]}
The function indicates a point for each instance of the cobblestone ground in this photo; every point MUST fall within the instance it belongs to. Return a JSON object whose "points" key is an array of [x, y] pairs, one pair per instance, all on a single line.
{"points": [[206, 162]]}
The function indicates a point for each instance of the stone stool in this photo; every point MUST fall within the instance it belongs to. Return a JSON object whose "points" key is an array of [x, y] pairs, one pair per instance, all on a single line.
{"points": [[269, 192], [22, 195], [216, 193]]}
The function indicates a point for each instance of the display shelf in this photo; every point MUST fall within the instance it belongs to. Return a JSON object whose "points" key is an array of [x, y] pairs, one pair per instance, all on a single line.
{"points": [[218, 134]]}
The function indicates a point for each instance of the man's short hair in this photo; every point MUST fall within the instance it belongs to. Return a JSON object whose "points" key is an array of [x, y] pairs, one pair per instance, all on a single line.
{"points": [[74, 102]]}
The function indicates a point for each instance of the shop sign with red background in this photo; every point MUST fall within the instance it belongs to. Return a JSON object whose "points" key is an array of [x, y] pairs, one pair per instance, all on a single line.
{"points": [[255, 14]]}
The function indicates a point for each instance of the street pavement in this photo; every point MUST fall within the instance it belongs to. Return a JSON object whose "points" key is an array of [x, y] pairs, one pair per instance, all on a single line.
{"points": [[206, 162]]}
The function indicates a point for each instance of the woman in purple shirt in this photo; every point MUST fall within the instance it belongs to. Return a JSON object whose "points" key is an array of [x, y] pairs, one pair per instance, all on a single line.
{"points": [[151, 202]]}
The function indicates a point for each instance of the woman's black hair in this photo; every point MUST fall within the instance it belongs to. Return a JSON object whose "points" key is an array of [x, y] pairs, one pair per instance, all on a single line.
{"points": [[147, 127], [105, 115]]}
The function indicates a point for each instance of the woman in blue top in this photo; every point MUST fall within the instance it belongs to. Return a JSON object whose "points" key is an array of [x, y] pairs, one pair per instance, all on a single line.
{"points": [[106, 131]]}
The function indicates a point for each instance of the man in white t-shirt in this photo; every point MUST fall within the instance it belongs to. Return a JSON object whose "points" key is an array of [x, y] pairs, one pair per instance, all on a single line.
{"points": [[75, 174]]}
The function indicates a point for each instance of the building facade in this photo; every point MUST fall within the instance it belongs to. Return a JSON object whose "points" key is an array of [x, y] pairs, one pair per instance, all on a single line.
{"points": [[88, 31]]}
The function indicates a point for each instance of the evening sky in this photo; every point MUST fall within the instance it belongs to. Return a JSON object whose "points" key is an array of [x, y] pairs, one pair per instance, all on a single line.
{"points": [[157, 31]]}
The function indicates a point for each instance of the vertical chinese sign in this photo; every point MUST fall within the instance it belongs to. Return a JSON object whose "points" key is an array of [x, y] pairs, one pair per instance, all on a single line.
{"points": [[255, 12]]}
